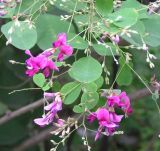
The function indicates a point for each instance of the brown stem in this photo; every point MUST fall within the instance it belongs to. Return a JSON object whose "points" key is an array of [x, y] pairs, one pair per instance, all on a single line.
{"points": [[11, 115]]}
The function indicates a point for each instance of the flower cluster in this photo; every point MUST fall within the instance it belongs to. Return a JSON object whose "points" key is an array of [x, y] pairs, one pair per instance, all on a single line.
{"points": [[64, 48], [51, 109], [122, 101], [40, 62], [43, 62], [107, 118]]}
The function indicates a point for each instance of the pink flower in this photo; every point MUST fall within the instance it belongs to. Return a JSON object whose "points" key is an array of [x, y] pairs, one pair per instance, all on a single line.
{"points": [[48, 95], [91, 117], [61, 40], [115, 39], [51, 109], [125, 103], [108, 121], [64, 48], [121, 101], [113, 100], [41, 62]]}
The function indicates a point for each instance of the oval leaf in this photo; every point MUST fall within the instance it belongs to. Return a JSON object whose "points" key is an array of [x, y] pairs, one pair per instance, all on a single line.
{"points": [[70, 92], [86, 70], [89, 87], [39, 79], [22, 36], [78, 109], [127, 17], [90, 99]]}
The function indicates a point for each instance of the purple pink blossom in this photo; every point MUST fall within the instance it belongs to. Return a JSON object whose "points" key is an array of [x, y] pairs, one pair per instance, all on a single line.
{"points": [[52, 109], [108, 121], [115, 39], [121, 101], [42, 62], [64, 48], [106, 116]]}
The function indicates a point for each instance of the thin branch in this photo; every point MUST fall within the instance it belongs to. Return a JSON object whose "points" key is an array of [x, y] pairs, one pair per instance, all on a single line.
{"points": [[139, 94], [11, 115]]}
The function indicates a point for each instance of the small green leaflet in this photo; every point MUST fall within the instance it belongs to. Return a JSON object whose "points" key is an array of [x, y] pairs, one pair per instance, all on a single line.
{"points": [[70, 92], [40, 81]]}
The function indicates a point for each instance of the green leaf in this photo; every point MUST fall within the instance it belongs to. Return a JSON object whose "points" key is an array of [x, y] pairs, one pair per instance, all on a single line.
{"points": [[22, 36], [136, 39], [39, 79], [48, 26], [89, 87], [152, 26], [90, 99], [86, 70], [70, 92], [105, 51], [77, 42], [104, 7], [46, 86], [99, 82], [125, 77], [124, 17], [56, 86], [79, 108], [142, 9]]}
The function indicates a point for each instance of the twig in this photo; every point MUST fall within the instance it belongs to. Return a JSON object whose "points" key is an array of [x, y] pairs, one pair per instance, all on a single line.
{"points": [[141, 93], [11, 115]]}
